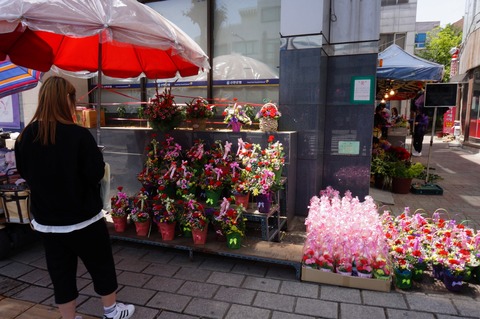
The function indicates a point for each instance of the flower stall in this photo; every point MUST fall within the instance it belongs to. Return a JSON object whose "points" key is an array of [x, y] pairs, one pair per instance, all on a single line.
{"points": [[185, 186], [349, 243]]}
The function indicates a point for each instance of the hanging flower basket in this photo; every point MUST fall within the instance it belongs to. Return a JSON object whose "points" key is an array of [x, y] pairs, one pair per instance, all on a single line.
{"points": [[268, 125], [268, 117]]}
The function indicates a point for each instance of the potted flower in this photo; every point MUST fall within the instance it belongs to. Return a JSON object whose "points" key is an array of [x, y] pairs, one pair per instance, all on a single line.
{"points": [[325, 262], [198, 111], [212, 180], [120, 210], [240, 184], [364, 266], [186, 179], [344, 265], [236, 115], [165, 215], [196, 218], [381, 267], [268, 116], [162, 112], [232, 223], [273, 157], [140, 213], [402, 174]]}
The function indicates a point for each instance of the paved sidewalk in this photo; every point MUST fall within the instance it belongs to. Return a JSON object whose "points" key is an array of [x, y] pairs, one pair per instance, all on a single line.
{"points": [[165, 283]]}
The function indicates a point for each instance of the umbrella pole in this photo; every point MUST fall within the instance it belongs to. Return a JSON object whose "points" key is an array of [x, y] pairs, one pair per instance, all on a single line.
{"points": [[99, 87]]}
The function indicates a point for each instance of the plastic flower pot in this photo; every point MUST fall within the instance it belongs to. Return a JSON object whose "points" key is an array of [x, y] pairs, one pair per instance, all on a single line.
{"points": [[437, 271], [236, 126], [242, 199], [167, 230], [364, 274], [417, 271], [403, 278], [142, 228], [234, 240], [264, 201], [120, 223], [199, 236], [213, 196], [453, 282]]}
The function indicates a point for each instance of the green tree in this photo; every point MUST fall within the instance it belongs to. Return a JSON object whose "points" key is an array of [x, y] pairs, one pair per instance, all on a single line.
{"points": [[439, 42]]}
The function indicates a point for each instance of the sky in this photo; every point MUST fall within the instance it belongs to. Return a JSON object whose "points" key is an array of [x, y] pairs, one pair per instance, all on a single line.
{"points": [[445, 11]]}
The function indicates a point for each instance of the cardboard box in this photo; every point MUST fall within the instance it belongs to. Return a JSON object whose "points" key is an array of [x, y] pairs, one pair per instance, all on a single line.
{"points": [[330, 278], [88, 117]]}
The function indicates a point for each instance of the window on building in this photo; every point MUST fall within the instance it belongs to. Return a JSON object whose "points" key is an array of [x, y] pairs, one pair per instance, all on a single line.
{"points": [[244, 57], [387, 39], [246, 50], [393, 2], [420, 40]]}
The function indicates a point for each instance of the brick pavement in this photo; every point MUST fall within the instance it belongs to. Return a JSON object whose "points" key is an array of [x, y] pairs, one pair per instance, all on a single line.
{"points": [[165, 283]]}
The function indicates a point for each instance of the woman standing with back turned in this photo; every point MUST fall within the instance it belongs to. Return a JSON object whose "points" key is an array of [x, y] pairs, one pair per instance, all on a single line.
{"points": [[63, 167]]}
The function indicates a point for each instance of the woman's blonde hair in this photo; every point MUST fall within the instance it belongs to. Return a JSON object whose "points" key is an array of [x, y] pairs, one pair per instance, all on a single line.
{"points": [[56, 103]]}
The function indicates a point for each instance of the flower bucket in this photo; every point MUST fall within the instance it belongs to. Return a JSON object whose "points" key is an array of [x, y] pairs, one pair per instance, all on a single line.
{"points": [[452, 282], [219, 234], [186, 232], [142, 228], [268, 124], [401, 185], [242, 199], [120, 223], [344, 273], [199, 236], [213, 196], [437, 271], [236, 126], [468, 274], [364, 275], [199, 124], [167, 230], [234, 240], [264, 201], [417, 271], [403, 279]]}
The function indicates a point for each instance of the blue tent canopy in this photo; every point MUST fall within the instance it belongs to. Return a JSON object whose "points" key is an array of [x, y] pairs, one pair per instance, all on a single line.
{"points": [[399, 65]]}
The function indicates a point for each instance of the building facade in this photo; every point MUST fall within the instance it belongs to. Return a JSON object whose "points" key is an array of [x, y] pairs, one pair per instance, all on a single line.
{"points": [[469, 76]]}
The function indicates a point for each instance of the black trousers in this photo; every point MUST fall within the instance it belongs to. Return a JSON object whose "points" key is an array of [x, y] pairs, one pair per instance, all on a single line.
{"points": [[418, 142], [92, 245]]}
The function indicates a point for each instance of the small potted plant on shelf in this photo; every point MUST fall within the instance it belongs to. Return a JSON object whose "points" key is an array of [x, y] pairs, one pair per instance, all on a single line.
{"points": [[196, 218], [165, 215], [120, 210], [140, 213], [268, 117], [198, 111], [236, 115]]}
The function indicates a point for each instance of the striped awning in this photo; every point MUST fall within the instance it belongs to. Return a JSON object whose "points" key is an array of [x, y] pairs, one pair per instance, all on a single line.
{"points": [[14, 78]]}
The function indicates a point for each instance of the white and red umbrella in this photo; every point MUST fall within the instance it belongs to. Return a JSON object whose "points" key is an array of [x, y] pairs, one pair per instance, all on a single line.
{"points": [[118, 38]]}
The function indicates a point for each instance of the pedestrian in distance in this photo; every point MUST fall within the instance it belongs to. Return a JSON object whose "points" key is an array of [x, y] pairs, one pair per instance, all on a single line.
{"points": [[419, 129], [63, 167]]}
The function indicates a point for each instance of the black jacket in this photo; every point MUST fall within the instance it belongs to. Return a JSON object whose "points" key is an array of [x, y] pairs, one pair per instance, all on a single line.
{"points": [[64, 178]]}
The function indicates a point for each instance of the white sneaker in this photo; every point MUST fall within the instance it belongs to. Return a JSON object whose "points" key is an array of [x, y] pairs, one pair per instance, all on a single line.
{"points": [[122, 311], [415, 153]]}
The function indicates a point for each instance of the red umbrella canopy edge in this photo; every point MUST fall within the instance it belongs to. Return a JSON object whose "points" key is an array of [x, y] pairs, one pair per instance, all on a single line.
{"points": [[135, 39]]}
